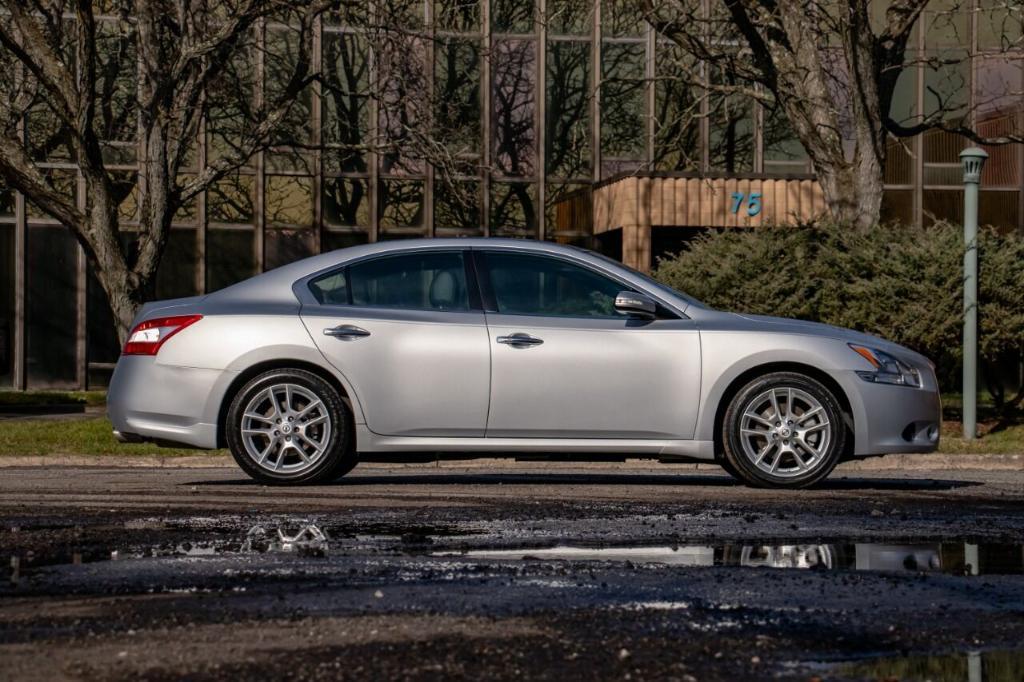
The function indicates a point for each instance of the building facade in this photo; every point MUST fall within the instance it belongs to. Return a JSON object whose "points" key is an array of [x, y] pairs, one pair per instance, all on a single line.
{"points": [[554, 113]]}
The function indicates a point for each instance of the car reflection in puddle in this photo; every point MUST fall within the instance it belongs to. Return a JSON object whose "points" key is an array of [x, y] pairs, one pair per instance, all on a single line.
{"points": [[950, 557], [306, 540], [974, 666]]}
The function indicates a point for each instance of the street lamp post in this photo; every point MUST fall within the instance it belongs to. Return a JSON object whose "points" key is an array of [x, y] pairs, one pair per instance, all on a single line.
{"points": [[972, 159]]}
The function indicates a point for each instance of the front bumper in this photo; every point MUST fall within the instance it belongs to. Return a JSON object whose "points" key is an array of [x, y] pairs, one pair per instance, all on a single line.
{"points": [[894, 419], [149, 401]]}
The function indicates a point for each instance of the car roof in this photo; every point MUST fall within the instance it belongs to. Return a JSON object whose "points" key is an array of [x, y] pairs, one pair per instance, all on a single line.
{"points": [[277, 283]]}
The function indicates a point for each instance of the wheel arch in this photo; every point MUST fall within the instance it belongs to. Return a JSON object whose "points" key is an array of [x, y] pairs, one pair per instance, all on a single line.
{"points": [[243, 377], [760, 370]]}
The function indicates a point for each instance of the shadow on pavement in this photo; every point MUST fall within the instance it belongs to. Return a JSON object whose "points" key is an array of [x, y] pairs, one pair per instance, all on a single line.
{"points": [[592, 479]]}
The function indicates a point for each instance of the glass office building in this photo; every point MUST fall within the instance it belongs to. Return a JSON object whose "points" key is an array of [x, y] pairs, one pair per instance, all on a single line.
{"points": [[537, 107]]}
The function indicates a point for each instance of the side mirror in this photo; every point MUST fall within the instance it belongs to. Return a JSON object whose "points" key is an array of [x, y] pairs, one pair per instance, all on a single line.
{"points": [[636, 305]]}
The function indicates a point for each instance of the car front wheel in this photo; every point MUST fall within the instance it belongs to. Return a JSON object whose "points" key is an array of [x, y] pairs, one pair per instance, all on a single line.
{"points": [[783, 430], [289, 426]]}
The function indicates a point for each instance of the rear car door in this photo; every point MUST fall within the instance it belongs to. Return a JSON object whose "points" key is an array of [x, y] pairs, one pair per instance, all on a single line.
{"points": [[406, 330], [566, 364]]}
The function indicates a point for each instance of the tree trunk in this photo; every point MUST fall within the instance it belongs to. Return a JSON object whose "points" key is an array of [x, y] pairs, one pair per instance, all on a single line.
{"points": [[126, 293], [852, 191]]}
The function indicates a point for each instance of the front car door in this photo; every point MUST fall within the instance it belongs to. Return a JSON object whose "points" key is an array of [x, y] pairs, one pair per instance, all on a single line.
{"points": [[566, 364], [406, 330]]}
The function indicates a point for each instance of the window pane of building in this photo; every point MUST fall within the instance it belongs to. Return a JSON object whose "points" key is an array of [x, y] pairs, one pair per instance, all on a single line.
{"points": [[346, 102], [230, 100], [101, 343], [514, 209], [946, 98], [998, 113], [1000, 24], [346, 202], [731, 127], [176, 277], [7, 293], [457, 15], [230, 257], [6, 202], [403, 105], [512, 16], [898, 206], [46, 136], [51, 307], [570, 17], [899, 159], [999, 209], [342, 240], [513, 97], [457, 95], [567, 125], [280, 60], [457, 208], [783, 152], [230, 200], [943, 204], [283, 246], [401, 204], [289, 201], [621, 18], [677, 145], [623, 101], [116, 78], [63, 181], [946, 24]]}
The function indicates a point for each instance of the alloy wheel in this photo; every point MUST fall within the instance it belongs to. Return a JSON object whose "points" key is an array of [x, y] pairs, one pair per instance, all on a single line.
{"points": [[286, 428], [785, 432]]}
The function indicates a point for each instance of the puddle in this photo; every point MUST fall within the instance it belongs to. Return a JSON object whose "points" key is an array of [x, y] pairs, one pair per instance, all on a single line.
{"points": [[304, 540], [948, 557], [974, 666]]}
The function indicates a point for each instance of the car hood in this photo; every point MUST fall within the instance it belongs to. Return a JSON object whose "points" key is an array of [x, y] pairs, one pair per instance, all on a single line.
{"points": [[782, 325]]}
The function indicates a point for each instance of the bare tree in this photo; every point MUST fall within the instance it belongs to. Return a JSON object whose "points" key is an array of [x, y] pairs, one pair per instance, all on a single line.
{"points": [[833, 68], [64, 66]]}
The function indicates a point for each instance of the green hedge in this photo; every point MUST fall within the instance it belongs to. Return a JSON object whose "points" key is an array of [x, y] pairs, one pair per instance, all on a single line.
{"points": [[901, 283]]}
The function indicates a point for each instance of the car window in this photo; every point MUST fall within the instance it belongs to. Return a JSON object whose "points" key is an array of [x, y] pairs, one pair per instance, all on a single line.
{"points": [[331, 289], [537, 285], [416, 281]]}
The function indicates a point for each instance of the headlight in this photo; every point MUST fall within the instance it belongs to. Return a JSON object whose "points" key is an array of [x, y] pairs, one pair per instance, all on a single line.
{"points": [[888, 370]]}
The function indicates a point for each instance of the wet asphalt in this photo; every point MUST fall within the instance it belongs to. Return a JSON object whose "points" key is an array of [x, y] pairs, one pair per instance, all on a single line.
{"points": [[510, 571]]}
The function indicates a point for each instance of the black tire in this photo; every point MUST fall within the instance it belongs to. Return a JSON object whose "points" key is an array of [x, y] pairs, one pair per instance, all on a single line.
{"points": [[338, 457], [746, 469], [723, 462]]}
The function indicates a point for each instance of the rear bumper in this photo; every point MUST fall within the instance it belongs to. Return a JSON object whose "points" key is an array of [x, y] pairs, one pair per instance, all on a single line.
{"points": [[148, 401], [894, 419]]}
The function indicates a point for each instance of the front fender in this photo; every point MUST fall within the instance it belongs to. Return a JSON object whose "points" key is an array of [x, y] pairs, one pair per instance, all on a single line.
{"points": [[730, 355]]}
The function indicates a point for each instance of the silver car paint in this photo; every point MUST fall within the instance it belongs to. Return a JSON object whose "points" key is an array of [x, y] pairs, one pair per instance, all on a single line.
{"points": [[425, 380], [417, 374], [573, 384]]}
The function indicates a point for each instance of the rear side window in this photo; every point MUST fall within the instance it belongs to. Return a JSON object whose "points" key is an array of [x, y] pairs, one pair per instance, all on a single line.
{"points": [[415, 281], [331, 289]]}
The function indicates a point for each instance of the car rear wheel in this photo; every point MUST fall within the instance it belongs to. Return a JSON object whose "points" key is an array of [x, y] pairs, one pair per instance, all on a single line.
{"points": [[289, 426], [783, 430]]}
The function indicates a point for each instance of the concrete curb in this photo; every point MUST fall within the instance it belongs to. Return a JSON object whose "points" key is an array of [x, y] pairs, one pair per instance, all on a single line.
{"points": [[933, 462]]}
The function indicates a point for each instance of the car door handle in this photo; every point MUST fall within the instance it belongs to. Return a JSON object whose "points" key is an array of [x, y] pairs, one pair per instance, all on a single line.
{"points": [[520, 340], [346, 331]]}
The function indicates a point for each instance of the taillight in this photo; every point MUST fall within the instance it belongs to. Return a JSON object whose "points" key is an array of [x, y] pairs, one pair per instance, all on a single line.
{"points": [[147, 337]]}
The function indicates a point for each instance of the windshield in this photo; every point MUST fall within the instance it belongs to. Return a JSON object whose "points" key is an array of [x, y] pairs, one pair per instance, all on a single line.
{"points": [[650, 281]]}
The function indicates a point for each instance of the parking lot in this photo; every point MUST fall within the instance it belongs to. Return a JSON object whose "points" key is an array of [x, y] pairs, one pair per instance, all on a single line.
{"points": [[552, 570]]}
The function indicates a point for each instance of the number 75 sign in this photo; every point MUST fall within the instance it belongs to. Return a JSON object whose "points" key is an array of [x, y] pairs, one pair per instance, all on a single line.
{"points": [[753, 202]]}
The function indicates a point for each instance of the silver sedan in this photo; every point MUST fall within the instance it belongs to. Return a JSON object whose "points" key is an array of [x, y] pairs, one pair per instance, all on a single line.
{"points": [[489, 347]]}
